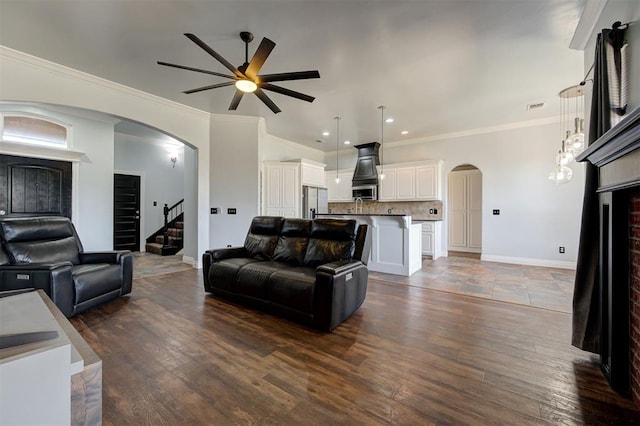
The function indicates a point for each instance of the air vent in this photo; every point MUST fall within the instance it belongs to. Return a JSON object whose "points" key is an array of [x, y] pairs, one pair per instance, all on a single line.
{"points": [[535, 106]]}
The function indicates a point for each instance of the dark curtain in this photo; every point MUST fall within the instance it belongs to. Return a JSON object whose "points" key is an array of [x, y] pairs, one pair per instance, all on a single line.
{"points": [[605, 102]]}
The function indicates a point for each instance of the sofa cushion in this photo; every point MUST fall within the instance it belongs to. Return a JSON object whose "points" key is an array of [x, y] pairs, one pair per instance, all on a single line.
{"points": [[4, 259], [65, 249], [263, 236], [252, 279], [94, 280], [293, 288], [222, 274], [330, 240], [292, 244]]}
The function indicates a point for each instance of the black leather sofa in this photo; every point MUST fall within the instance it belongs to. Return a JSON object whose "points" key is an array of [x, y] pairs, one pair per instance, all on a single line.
{"points": [[311, 271], [46, 253]]}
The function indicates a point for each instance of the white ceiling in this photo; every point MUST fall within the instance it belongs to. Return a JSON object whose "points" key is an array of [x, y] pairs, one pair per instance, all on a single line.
{"points": [[439, 66]]}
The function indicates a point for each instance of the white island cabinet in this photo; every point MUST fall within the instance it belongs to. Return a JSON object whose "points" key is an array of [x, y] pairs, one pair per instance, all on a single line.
{"points": [[396, 243]]}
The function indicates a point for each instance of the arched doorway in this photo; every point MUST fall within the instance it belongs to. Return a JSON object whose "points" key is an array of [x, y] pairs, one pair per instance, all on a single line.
{"points": [[464, 217]]}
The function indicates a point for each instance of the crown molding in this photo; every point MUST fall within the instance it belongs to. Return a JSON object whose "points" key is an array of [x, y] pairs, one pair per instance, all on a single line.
{"points": [[52, 67], [587, 23]]}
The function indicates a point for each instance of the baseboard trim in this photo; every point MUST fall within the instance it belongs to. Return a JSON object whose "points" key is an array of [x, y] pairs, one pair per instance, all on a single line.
{"points": [[529, 261], [191, 261]]}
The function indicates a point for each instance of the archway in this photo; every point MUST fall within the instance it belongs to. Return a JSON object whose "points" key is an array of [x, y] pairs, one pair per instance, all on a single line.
{"points": [[464, 211]]}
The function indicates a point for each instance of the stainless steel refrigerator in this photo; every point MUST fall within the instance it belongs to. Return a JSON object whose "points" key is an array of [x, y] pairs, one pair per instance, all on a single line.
{"points": [[314, 201]]}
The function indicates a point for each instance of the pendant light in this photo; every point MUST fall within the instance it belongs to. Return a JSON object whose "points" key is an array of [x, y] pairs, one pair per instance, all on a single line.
{"points": [[571, 133], [574, 123], [381, 108], [337, 118]]}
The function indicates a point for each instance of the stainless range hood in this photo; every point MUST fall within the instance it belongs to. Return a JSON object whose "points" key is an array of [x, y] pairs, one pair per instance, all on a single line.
{"points": [[365, 176]]}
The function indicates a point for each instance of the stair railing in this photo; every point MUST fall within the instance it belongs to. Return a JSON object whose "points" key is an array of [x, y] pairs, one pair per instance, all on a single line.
{"points": [[170, 213]]}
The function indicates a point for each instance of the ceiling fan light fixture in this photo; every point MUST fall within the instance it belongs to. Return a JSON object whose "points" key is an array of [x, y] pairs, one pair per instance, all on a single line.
{"points": [[246, 86]]}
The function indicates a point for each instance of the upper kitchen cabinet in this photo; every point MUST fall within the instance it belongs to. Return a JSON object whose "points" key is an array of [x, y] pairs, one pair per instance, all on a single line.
{"points": [[417, 181], [311, 173], [339, 191]]}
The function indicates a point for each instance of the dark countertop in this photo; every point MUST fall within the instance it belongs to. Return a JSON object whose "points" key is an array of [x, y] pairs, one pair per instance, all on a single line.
{"points": [[360, 214], [426, 220]]}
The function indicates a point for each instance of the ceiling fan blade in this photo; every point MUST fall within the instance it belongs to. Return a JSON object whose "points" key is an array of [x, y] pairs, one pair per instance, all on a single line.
{"points": [[286, 76], [215, 54], [261, 55], [213, 86], [267, 101], [287, 92], [167, 64], [236, 100]]}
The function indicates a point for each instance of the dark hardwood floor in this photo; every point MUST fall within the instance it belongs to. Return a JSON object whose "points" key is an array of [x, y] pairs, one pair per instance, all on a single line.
{"points": [[174, 355]]}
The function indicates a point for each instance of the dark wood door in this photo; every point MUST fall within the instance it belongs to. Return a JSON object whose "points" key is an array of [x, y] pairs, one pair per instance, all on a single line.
{"points": [[33, 186], [126, 212]]}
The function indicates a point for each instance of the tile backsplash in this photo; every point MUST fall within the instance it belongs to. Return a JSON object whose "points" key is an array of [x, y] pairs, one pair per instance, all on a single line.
{"points": [[419, 210]]}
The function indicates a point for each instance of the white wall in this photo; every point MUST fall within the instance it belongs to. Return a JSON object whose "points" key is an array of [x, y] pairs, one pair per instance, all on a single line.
{"points": [[279, 149], [190, 253], [536, 216], [235, 177], [162, 182], [93, 175]]}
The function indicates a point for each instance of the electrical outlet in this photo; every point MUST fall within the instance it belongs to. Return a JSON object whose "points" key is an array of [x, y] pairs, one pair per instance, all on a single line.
{"points": [[430, 211], [496, 212], [561, 250]]}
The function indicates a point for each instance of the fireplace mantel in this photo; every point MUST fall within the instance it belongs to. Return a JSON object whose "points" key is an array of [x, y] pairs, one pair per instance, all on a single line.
{"points": [[617, 154]]}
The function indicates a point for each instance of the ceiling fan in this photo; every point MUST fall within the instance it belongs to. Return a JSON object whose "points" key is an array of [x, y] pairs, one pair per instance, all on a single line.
{"points": [[245, 77]]}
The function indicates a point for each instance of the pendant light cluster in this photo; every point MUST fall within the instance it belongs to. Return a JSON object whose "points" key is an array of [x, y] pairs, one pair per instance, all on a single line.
{"points": [[571, 131]]}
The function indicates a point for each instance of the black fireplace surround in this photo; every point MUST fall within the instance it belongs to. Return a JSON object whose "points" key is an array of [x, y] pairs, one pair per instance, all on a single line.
{"points": [[616, 154]]}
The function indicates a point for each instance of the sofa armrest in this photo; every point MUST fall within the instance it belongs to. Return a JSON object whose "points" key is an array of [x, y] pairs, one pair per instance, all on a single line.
{"points": [[103, 256], [214, 255], [338, 267], [226, 253], [54, 278], [340, 289]]}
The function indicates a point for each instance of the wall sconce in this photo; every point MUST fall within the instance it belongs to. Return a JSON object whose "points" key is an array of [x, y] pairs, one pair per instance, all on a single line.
{"points": [[173, 160]]}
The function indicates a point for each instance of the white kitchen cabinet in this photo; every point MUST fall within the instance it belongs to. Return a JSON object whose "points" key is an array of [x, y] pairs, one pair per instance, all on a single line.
{"points": [[428, 182], [281, 189], [312, 173], [417, 181], [341, 191], [465, 211], [431, 239], [387, 187], [406, 183]]}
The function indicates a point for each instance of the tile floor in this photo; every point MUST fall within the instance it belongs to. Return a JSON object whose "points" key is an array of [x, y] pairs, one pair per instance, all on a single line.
{"points": [[548, 288]]}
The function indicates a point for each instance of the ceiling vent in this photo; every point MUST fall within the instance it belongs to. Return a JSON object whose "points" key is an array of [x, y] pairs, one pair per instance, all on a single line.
{"points": [[535, 106]]}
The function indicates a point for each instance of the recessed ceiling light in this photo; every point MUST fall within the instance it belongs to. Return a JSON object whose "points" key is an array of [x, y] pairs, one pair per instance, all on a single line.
{"points": [[404, 132], [347, 142], [389, 120], [325, 133]]}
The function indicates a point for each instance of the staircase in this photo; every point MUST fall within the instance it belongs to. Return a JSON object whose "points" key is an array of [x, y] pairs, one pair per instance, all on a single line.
{"points": [[168, 240]]}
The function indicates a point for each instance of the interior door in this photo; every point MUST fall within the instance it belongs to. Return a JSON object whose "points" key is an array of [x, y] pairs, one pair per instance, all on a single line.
{"points": [[34, 186], [126, 212], [457, 211]]}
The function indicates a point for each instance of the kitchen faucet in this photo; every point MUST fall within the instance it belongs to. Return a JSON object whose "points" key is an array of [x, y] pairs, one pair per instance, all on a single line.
{"points": [[361, 204]]}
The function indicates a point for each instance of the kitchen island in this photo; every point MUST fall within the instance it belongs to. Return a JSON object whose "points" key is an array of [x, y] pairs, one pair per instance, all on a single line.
{"points": [[396, 242]]}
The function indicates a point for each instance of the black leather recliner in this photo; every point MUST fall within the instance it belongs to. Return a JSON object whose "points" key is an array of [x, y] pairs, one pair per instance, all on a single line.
{"points": [[46, 253], [312, 271]]}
